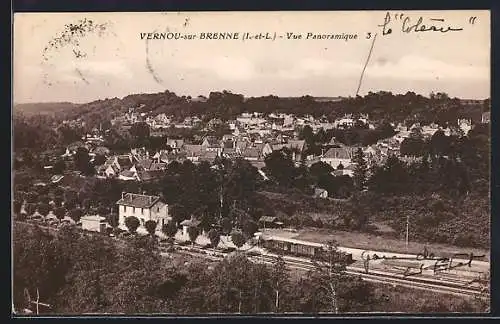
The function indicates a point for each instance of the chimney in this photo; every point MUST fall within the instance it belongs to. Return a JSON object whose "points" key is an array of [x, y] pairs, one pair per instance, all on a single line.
{"points": [[123, 194]]}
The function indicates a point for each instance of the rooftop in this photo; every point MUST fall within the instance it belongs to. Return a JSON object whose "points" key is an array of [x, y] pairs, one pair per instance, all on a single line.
{"points": [[137, 200]]}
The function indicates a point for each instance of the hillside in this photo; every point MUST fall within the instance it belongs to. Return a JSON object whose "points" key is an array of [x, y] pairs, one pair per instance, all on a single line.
{"points": [[50, 108], [226, 105]]}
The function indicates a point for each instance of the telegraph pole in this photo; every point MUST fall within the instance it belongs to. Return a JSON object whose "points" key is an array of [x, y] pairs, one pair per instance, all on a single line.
{"points": [[407, 230]]}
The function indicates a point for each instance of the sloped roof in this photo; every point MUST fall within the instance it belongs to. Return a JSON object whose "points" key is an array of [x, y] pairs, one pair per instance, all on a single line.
{"points": [[268, 219], [138, 200], [127, 174], [145, 163], [298, 144], [191, 222], [338, 153], [252, 152], [208, 155], [212, 141], [192, 149], [124, 161]]}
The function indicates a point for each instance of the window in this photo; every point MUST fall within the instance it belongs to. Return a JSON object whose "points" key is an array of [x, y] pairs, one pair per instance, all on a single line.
{"points": [[133, 210], [125, 209], [142, 211]]}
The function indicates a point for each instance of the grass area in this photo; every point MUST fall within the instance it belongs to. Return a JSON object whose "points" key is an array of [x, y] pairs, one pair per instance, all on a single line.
{"points": [[373, 242]]}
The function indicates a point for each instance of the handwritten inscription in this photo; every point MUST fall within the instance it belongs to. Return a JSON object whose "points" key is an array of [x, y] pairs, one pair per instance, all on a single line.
{"points": [[410, 25], [439, 264], [247, 36]]}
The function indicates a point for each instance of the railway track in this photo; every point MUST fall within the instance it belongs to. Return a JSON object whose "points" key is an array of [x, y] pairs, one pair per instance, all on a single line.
{"points": [[387, 278], [440, 285]]}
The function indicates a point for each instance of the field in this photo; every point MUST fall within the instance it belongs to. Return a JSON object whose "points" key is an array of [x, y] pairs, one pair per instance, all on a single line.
{"points": [[371, 242]]}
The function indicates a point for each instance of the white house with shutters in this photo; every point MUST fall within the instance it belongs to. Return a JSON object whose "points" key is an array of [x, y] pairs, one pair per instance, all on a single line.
{"points": [[144, 207]]}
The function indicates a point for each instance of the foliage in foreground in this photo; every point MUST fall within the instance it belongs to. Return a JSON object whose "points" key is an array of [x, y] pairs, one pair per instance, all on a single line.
{"points": [[94, 274]]}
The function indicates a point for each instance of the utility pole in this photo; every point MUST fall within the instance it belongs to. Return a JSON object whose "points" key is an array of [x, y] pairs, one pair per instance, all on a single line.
{"points": [[407, 230]]}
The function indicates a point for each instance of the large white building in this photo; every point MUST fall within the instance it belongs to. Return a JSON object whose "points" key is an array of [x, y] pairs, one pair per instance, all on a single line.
{"points": [[144, 207]]}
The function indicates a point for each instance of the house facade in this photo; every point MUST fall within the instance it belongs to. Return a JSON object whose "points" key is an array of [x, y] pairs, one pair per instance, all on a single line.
{"points": [[144, 207]]}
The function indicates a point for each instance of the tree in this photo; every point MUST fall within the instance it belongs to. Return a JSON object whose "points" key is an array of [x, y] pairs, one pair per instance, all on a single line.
{"points": [[58, 201], [75, 214], [150, 226], [439, 143], [59, 167], [307, 134], [140, 130], [169, 229], [17, 206], [82, 161], [329, 272], [30, 208], [360, 169], [238, 238], [413, 146], [214, 237], [86, 203], [280, 167], [132, 224], [226, 225], [279, 280], [193, 233], [60, 212], [249, 228], [113, 220], [43, 209], [99, 159]]}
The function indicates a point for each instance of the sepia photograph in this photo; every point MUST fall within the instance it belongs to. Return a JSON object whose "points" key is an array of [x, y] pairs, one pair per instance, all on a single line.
{"points": [[332, 163]]}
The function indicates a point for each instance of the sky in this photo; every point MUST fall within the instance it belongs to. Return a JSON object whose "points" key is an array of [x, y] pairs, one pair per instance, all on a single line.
{"points": [[115, 62]]}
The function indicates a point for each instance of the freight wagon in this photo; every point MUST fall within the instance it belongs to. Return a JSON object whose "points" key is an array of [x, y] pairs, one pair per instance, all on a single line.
{"points": [[298, 248]]}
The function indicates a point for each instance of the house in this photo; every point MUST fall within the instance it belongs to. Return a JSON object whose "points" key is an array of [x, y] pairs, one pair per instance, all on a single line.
{"points": [[268, 221], [115, 165], [144, 207], [211, 143], [94, 223], [193, 152], [320, 193], [175, 144], [189, 223], [337, 155], [253, 153]]}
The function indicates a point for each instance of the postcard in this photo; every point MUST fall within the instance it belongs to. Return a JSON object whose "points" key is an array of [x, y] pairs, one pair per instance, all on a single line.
{"points": [[251, 163]]}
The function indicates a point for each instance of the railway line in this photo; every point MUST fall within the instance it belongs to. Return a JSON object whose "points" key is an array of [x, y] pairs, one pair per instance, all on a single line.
{"points": [[445, 285]]}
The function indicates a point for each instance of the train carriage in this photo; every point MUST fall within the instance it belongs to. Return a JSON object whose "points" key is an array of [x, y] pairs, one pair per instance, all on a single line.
{"points": [[297, 248]]}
